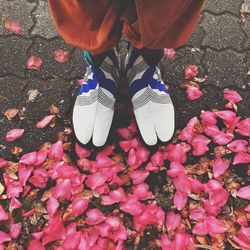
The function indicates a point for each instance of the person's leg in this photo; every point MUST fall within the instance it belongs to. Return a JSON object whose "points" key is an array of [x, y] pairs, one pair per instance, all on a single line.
{"points": [[94, 26]]}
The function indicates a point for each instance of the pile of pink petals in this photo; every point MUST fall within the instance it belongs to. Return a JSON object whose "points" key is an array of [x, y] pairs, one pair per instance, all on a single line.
{"points": [[103, 200]]}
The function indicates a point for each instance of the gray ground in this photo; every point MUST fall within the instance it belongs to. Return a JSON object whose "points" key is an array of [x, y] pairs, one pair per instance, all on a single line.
{"points": [[220, 46]]}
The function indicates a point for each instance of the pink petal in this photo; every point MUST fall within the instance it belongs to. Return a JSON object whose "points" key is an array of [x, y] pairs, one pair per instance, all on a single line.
{"points": [[199, 143], [215, 226], [182, 183], [198, 214], [222, 138], [196, 186], [191, 71], [200, 228], [3, 214], [188, 132], [82, 152], [247, 209], [243, 127], [3, 163], [228, 117], [241, 243], [45, 121], [142, 191], [211, 210], [14, 204], [55, 230], [142, 154], [241, 158], [138, 176], [61, 56], [79, 206], [4, 237], [94, 216], [157, 159], [193, 93], [169, 53], [127, 145], [119, 195], [24, 173], [175, 169], [34, 62], [56, 151], [52, 206], [208, 117], [238, 146], [232, 96], [218, 197], [29, 158], [166, 243], [176, 153], [36, 245], [14, 134], [244, 192], [180, 200], [95, 180], [41, 157], [72, 241], [104, 161], [172, 221], [14, 27], [211, 129], [62, 189], [15, 229], [132, 206], [219, 167], [125, 133]]}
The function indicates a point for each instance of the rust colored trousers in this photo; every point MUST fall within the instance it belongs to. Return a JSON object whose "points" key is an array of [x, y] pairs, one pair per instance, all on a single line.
{"points": [[97, 25]]}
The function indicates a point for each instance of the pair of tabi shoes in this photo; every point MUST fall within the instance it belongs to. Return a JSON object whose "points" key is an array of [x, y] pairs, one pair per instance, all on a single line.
{"points": [[94, 106]]}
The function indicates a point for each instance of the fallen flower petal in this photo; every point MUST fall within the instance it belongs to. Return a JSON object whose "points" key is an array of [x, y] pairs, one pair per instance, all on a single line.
{"points": [[14, 27], [238, 146], [243, 127], [241, 158], [219, 167], [94, 216], [14, 134], [169, 53], [56, 151], [29, 158], [61, 56], [191, 71], [244, 193], [180, 200], [172, 221], [45, 121], [79, 206], [232, 96], [34, 62], [193, 93]]}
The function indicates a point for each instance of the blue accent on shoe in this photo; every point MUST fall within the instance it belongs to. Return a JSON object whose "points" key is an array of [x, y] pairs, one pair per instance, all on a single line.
{"points": [[104, 82], [88, 57], [147, 79]]}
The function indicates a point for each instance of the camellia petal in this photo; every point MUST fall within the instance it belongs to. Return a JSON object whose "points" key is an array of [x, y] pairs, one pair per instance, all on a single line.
{"points": [[232, 96], [241, 158], [34, 62], [193, 93], [94, 216], [180, 200], [14, 134], [243, 127], [219, 167], [56, 151], [172, 221], [45, 121], [244, 193], [169, 53], [61, 56], [238, 146], [191, 71]]}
